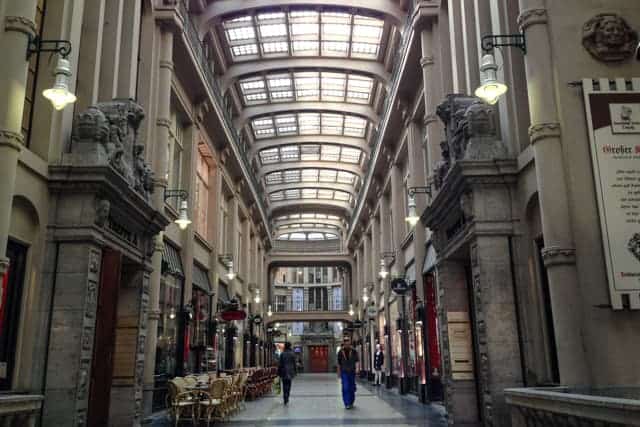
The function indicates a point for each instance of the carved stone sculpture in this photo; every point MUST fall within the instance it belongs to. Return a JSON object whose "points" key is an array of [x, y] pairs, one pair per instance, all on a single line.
{"points": [[107, 133], [452, 113], [609, 38], [482, 143], [442, 166], [103, 206]]}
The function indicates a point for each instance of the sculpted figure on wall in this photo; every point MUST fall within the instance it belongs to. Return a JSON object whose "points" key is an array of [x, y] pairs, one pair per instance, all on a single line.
{"points": [[107, 133], [609, 38]]}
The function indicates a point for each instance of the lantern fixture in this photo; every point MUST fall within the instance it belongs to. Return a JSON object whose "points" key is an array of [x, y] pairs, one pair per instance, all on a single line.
{"points": [[183, 220], [383, 269], [491, 88], [269, 312], [59, 95], [351, 312]]}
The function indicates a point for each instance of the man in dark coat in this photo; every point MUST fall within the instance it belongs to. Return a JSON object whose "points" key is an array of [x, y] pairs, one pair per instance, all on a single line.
{"points": [[378, 362], [287, 370]]}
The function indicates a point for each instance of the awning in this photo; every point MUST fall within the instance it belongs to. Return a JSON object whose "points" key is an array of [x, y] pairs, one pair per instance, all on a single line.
{"points": [[201, 278], [171, 263], [430, 258], [410, 274]]}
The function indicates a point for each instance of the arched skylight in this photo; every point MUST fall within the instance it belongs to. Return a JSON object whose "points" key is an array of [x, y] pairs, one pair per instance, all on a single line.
{"points": [[309, 123], [310, 236], [312, 152], [290, 176], [303, 32], [310, 193], [287, 86]]}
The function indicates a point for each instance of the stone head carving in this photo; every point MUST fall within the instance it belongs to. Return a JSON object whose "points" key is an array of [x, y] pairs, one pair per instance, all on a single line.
{"points": [[609, 38], [91, 125], [480, 120], [103, 206]]}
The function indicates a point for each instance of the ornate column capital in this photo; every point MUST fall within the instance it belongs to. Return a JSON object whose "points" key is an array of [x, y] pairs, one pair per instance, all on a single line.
{"points": [[529, 17], [11, 139], [20, 24], [543, 131], [555, 255], [428, 119]]}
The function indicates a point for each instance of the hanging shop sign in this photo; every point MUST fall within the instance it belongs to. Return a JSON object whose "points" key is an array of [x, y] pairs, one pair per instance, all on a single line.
{"points": [[399, 286], [232, 311], [613, 117]]}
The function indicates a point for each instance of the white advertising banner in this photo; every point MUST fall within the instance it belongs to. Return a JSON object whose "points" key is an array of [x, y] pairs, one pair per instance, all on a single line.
{"points": [[614, 132]]}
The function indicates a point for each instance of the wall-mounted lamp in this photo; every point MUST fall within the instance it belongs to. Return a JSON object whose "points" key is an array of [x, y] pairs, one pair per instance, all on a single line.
{"points": [[256, 297], [413, 217], [183, 220], [59, 95], [383, 273], [227, 259], [269, 312], [365, 295], [491, 89], [351, 312]]}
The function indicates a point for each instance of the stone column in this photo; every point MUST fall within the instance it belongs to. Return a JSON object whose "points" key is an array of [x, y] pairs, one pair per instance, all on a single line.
{"points": [[417, 178], [432, 95], [386, 246], [18, 26], [110, 63], [246, 258], [457, 47], [129, 47], [398, 199], [89, 54], [232, 238], [559, 251], [163, 124], [453, 305]]}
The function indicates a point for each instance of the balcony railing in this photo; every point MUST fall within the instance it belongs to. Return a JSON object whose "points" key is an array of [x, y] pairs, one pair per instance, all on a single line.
{"points": [[332, 246]]}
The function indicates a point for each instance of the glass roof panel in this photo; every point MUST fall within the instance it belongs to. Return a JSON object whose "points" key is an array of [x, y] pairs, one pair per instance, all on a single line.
{"points": [[310, 123], [307, 86], [304, 32], [310, 152], [310, 175], [310, 193]]}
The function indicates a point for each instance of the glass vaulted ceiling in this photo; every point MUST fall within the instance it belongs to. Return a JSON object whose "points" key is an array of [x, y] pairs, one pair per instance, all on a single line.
{"points": [[316, 163]]}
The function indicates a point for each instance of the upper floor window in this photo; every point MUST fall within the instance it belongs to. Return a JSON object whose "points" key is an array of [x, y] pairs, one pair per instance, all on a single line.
{"points": [[174, 157], [203, 172]]}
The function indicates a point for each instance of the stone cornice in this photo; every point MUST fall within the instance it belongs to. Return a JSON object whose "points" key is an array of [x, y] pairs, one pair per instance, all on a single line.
{"points": [[167, 65], [543, 131], [425, 12], [529, 17]]}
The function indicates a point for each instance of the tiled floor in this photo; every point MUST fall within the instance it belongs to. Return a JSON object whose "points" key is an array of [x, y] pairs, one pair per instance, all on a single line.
{"points": [[316, 401]]}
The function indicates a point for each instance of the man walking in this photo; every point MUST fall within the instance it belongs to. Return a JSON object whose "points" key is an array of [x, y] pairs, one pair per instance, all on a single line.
{"points": [[378, 362], [287, 370], [347, 361]]}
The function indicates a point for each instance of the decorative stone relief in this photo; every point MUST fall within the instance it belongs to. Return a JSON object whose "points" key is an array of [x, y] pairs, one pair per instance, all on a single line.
{"points": [[103, 207], [609, 38], [484, 370], [107, 133], [13, 139], [481, 134]]}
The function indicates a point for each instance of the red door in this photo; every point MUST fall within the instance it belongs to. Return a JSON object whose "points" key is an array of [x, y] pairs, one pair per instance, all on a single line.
{"points": [[319, 358], [104, 344]]}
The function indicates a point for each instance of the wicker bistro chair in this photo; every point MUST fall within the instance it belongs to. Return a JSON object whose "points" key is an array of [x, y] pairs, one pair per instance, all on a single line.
{"points": [[217, 391], [206, 406], [228, 397], [243, 389], [180, 403]]}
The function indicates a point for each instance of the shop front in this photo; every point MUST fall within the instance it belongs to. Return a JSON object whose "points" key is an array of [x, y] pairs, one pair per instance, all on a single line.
{"points": [[171, 289], [201, 353], [431, 376]]}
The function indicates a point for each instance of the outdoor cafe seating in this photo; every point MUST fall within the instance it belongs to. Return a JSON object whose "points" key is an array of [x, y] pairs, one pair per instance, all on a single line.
{"points": [[206, 398]]}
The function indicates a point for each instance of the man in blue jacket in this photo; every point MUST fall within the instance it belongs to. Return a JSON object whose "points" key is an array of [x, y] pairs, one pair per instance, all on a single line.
{"points": [[347, 366]]}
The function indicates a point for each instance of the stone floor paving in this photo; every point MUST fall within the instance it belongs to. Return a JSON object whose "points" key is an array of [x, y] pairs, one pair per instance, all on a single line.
{"points": [[316, 401]]}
